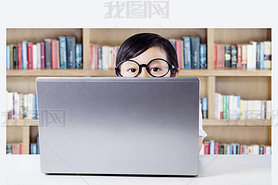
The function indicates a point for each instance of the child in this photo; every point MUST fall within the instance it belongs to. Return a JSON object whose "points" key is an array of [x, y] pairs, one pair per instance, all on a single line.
{"points": [[150, 55]]}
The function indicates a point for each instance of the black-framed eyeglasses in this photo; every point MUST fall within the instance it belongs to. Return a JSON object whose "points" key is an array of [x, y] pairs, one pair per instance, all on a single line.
{"points": [[157, 67]]}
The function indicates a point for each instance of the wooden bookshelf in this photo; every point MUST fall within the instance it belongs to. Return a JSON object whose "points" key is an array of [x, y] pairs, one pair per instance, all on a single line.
{"points": [[249, 84]]}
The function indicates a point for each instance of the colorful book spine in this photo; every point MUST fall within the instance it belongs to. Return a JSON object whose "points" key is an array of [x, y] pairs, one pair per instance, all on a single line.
{"points": [[48, 61], [187, 52], [15, 57], [234, 56], [239, 56], [78, 56], [267, 55], [35, 61], [203, 56], [179, 52], [30, 55], [204, 102], [195, 52], [258, 45], [8, 57], [70, 44], [220, 56], [24, 55], [261, 58], [19, 54], [244, 57], [39, 55], [54, 54], [43, 55], [100, 57], [227, 49], [63, 52]]}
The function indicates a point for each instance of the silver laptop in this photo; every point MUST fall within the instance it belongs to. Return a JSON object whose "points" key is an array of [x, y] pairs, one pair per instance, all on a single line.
{"points": [[119, 126]]}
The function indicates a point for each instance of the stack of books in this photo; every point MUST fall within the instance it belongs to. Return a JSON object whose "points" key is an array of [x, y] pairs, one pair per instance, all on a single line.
{"points": [[21, 106], [233, 107], [254, 55], [61, 53], [211, 148]]}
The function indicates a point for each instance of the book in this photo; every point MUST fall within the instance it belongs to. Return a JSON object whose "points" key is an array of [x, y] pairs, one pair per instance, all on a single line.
{"points": [[195, 52], [212, 147], [21, 108], [48, 54], [43, 55], [261, 58], [258, 48], [24, 55], [11, 56], [30, 55], [39, 55], [15, 57], [227, 50], [25, 106], [178, 46], [239, 56], [54, 54], [220, 56], [187, 52], [203, 56], [267, 54], [9, 149], [33, 148], [204, 102], [100, 57], [78, 57], [19, 55], [215, 57], [62, 52], [35, 61], [70, 44], [105, 57], [244, 57], [206, 147], [233, 56]]}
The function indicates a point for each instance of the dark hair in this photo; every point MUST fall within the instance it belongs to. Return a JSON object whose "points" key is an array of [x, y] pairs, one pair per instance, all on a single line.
{"points": [[139, 43]]}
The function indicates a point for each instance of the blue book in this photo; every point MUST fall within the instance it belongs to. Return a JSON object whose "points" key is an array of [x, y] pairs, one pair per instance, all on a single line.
{"points": [[234, 149], [212, 147], [238, 107], [38, 145], [34, 106], [186, 52], [70, 52], [62, 52], [258, 55], [7, 57], [261, 55], [33, 148], [204, 102], [195, 52], [203, 56], [229, 149], [78, 56], [24, 54]]}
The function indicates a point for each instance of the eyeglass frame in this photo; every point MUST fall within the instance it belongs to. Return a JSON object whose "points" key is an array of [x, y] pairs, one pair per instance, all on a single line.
{"points": [[144, 65]]}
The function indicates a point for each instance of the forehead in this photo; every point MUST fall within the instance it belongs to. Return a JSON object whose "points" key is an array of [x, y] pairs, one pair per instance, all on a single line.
{"points": [[149, 54]]}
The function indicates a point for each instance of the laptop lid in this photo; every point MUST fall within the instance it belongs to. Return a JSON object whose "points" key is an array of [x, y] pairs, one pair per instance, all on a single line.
{"points": [[113, 125]]}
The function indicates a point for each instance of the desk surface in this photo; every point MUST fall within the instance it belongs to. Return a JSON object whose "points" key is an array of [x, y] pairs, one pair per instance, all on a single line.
{"points": [[214, 169]]}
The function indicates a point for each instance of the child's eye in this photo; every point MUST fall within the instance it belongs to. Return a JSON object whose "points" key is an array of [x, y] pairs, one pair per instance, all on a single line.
{"points": [[132, 70], [155, 69]]}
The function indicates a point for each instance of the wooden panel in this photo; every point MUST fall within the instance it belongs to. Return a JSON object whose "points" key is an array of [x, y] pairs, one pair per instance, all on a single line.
{"points": [[17, 35], [249, 88], [210, 48], [241, 135], [211, 95], [241, 35], [203, 87], [26, 139], [86, 48], [21, 84], [243, 123], [14, 134], [116, 36]]}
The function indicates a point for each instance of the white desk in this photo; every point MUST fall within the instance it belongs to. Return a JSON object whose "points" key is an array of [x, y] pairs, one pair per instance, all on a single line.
{"points": [[217, 169]]}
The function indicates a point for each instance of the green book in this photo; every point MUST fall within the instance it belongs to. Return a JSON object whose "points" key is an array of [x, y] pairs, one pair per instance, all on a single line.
{"points": [[224, 106]]}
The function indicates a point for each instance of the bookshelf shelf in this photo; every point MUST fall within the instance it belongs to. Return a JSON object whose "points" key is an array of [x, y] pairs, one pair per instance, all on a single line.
{"points": [[87, 72], [206, 122], [249, 84]]}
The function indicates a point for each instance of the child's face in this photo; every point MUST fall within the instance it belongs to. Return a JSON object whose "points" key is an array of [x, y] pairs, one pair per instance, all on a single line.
{"points": [[148, 55]]}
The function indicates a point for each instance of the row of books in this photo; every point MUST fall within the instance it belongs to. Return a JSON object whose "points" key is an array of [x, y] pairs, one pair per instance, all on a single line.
{"points": [[61, 53], [191, 54], [21, 106], [233, 107], [212, 147], [17, 148], [254, 55], [204, 108], [102, 57]]}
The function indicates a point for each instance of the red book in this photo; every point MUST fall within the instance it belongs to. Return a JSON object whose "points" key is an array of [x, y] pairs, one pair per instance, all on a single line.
{"points": [[239, 56], [217, 148], [179, 52], [30, 55], [20, 148], [221, 114], [215, 56], [206, 147], [91, 57], [15, 149], [54, 54], [220, 56], [19, 54]]}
